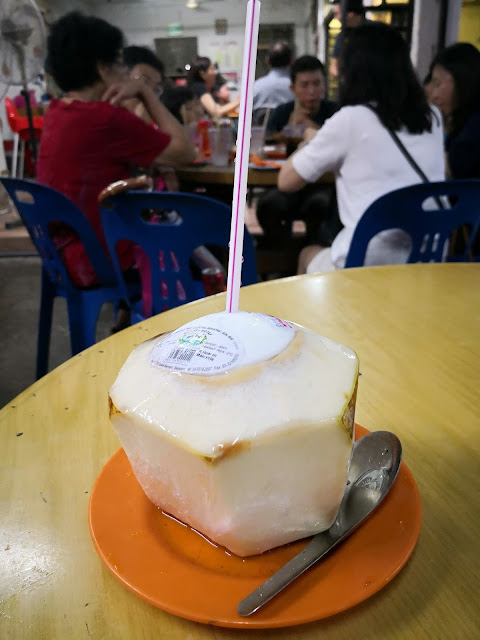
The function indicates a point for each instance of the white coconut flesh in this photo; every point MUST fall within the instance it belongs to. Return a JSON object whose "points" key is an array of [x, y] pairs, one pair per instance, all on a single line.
{"points": [[241, 426]]}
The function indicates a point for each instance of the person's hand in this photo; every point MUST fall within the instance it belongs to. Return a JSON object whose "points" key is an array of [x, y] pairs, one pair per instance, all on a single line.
{"points": [[302, 116], [310, 133], [170, 178], [120, 91], [310, 124]]}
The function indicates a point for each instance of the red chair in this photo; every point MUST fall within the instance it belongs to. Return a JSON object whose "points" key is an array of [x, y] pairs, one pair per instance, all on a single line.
{"points": [[21, 133]]}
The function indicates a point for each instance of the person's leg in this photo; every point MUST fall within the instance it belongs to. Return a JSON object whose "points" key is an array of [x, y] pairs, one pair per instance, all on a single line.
{"points": [[307, 254], [319, 211], [274, 214], [124, 316]]}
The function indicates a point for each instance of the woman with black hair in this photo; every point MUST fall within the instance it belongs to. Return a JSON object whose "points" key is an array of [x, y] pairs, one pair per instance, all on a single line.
{"points": [[201, 78], [183, 104], [455, 89], [88, 139], [378, 91]]}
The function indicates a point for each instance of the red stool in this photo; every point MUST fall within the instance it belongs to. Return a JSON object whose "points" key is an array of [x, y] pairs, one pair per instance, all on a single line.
{"points": [[21, 133]]}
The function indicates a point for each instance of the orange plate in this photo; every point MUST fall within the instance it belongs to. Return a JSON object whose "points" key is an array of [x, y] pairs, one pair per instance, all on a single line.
{"points": [[176, 569]]}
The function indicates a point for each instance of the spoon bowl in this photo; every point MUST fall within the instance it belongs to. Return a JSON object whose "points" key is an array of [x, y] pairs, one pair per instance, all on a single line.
{"points": [[373, 468]]}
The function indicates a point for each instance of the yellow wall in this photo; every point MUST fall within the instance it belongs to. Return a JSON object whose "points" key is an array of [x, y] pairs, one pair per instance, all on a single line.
{"points": [[469, 30]]}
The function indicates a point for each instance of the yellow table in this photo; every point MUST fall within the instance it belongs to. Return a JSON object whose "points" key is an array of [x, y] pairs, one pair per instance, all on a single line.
{"points": [[416, 329]]}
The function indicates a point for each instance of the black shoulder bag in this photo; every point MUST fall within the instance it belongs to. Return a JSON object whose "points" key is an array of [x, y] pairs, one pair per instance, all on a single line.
{"points": [[438, 201], [407, 155]]}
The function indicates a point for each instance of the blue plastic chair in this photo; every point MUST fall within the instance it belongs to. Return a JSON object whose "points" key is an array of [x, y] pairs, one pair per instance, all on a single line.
{"points": [[39, 206], [429, 229], [168, 246]]}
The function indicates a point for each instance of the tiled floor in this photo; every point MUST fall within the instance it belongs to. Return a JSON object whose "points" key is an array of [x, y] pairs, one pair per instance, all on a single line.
{"points": [[19, 309]]}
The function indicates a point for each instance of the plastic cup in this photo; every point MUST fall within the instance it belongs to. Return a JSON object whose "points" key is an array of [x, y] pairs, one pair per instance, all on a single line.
{"points": [[194, 136], [257, 140], [220, 141]]}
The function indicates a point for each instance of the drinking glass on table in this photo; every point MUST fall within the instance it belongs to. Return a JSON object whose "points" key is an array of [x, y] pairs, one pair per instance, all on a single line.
{"points": [[194, 136], [257, 140], [293, 136], [220, 140]]}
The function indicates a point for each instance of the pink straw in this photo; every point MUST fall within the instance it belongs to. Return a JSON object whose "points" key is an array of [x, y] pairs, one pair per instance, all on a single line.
{"points": [[235, 258]]}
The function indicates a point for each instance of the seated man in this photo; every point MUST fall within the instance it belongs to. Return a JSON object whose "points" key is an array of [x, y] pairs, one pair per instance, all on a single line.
{"points": [[143, 65], [273, 89], [275, 210], [309, 106]]}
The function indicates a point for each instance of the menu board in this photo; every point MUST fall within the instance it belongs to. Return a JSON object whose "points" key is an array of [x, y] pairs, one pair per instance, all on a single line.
{"points": [[175, 53]]}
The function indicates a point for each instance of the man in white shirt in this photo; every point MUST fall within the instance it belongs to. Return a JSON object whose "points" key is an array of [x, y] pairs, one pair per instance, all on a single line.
{"points": [[274, 88]]}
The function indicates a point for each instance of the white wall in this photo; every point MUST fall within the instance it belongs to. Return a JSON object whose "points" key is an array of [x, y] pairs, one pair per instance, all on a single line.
{"points": [[142, 22], [453, 21], [426, 24]]}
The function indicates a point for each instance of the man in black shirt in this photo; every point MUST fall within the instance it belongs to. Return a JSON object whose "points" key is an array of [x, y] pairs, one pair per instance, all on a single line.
{"points": [[315, 204], [310, 106]]}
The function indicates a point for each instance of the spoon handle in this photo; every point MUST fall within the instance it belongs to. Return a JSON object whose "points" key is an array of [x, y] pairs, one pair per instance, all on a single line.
{"points": [[316, 549]]}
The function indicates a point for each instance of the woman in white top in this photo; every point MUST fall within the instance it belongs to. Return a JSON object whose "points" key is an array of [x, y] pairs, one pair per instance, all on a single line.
{"points": [[355, 144]]}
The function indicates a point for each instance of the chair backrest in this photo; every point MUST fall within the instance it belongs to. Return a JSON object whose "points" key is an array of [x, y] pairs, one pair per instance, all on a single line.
{"points": [[40, 206], [12, 113], [169, 245], [261, 115], [258, 116], [410, 209], [17, 123]]}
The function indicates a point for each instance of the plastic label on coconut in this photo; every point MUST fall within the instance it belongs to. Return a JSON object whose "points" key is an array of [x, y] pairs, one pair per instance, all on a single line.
{"points": [[278, 323], [199, 350]]}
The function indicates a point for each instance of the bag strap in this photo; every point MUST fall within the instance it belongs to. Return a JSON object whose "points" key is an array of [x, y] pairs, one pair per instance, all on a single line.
{"points": [[407, 155]]}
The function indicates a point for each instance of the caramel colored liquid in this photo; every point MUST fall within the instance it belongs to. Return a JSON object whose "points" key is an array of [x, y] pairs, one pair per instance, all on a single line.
{"points": [[194, 547]]}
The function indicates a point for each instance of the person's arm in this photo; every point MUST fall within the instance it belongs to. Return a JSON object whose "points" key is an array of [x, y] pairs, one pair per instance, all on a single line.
{"points": [[180, 150], [277, 120], [302, 116], [463, 151], [288, 178], [215, 110], [333, 67], [326, 151]]}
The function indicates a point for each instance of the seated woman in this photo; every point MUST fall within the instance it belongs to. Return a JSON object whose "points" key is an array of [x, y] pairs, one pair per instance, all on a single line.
{"points": [[355, 143], [89, 140], [455, 89], [201, 78], [220, 90], [183, 104]]}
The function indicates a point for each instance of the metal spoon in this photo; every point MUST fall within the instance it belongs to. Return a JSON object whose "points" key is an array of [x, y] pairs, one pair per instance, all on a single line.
{"points": [[373, 468]]}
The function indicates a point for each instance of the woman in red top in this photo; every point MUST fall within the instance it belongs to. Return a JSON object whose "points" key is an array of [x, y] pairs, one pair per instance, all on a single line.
{"points": [[88, 139]]}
